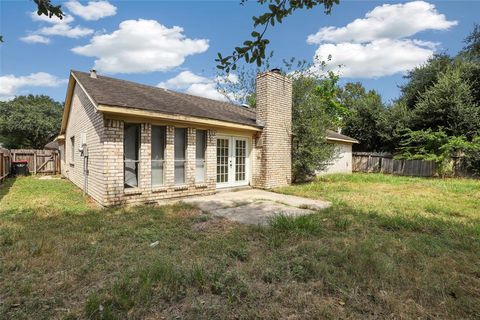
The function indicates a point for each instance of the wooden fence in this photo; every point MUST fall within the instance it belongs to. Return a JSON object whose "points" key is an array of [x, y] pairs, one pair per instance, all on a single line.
{"points": [[4, 164], [383, 163], [39, 161]]}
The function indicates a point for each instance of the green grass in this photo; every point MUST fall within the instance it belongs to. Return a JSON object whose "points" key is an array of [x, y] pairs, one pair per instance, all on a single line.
{"points": [[389, 247]]}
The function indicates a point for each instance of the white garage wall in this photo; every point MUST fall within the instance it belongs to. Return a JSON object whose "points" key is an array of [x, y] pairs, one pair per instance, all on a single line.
{"points": [[342, 163]]}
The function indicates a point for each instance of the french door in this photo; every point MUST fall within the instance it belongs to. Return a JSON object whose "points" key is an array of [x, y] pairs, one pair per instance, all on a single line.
{"points": [[232, 161]]}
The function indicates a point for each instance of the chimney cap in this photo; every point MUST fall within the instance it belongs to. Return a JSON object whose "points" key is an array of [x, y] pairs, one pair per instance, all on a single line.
{"points": [[93, 73], [276, 70]]}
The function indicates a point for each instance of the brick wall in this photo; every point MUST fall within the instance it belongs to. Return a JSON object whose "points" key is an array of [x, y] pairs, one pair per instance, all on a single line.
{"points": [[272, 161], [83, 119], [116, 194]]}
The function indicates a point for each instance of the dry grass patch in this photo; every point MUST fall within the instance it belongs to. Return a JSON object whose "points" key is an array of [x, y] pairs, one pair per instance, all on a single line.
{"points": [[390, 247]]}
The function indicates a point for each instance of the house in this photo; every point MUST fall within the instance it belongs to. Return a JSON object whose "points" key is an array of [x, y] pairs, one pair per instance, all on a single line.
{"points": [[123, 142], [342, 162]]}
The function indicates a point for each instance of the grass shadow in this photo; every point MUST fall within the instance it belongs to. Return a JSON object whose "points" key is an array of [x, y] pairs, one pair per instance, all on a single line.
{"points": [[5, 186]]}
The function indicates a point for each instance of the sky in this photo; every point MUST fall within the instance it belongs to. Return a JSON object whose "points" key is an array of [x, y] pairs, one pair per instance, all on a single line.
{"points": [[173, 44]]}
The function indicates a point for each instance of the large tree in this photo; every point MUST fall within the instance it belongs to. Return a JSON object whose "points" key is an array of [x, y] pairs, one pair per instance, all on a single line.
{"points": [[29, 121], [365, 117], [449, 104], [423, 77]]}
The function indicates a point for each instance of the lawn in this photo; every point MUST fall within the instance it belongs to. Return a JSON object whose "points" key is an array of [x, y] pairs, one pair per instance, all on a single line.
{"points": [[389, 247]]}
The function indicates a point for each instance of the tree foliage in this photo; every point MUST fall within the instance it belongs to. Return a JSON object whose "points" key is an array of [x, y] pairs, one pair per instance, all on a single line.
{"points": [[472, 43], [29, 121], [449, 104], [312, 97], [364, 118], [440, 147], [421, 78]]}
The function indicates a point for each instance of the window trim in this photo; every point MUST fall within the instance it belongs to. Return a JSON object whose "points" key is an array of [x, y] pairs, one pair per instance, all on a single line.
{"points": [[72, 151]]}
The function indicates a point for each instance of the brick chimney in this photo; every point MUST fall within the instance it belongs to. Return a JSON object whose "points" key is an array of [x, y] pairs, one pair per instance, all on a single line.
{"points": [[273, 155]]}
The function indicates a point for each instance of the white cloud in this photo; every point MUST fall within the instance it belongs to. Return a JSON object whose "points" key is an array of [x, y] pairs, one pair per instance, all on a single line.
{"points": [[374, 59], [183, 80], [53, 20], [94, 10], [206, 90], [390, 21], [65, 30], [10, 85], [35, 38], [141, 46], [57, 27], [197, 85], [379, 44]]}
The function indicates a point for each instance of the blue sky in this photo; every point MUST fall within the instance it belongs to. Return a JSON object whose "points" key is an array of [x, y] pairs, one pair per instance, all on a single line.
{"points": [[136, 40]]}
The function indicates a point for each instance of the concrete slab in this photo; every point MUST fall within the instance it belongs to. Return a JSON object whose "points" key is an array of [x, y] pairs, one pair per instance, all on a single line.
{"points": [[255, 206]]}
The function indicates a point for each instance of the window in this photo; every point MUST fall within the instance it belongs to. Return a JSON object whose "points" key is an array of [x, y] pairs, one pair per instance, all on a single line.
{"points": [[158, 155], [131, 137], [180, 146], [72, 149], [201, 140]]}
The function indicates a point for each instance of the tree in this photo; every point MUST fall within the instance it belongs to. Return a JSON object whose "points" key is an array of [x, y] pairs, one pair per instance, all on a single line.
{"points": [[365, 117], [423, 77], [312, 97], [29, 121], [472, 43], [394, 123], [449, 105]]}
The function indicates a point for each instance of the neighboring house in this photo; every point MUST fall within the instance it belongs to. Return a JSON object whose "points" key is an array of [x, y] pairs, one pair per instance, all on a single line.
{"points": [[123, 142], [342, 162]]}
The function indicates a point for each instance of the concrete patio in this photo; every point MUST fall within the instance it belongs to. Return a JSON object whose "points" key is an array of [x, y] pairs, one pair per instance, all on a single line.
{"points": [[254, 206]]}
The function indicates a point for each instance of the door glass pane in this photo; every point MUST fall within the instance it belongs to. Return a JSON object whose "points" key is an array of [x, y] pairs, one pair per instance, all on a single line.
{"points": [[180, 147], [222, 160], [200, 156], [240, 159]]}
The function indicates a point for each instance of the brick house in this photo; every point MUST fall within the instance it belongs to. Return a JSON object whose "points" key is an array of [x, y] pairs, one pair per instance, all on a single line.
{"points": [[123, 142]]}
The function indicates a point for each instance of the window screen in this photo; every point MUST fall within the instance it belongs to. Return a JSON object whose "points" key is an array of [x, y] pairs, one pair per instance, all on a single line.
{"points": [[131, 146], [201, 140], [158, 155], [180, 148]]}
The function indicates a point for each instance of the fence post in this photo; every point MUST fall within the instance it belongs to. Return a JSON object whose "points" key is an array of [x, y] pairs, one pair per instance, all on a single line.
{"points": [[34, 162]]}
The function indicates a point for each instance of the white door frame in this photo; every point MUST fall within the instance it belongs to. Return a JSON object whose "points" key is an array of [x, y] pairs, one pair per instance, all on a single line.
{"points": [[231, 161]]}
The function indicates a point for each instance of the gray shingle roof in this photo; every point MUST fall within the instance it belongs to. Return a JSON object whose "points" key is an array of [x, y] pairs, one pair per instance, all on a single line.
{"points": [[121, 93], [338, 136]]}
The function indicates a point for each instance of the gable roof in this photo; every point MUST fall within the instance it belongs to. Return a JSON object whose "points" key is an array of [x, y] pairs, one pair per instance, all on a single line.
{"points": [[335, 136], [121, 93]]}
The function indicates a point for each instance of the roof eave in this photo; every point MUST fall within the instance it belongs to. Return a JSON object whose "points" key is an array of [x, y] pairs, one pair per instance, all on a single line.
{"points": [[342, 140], [120, 111]]}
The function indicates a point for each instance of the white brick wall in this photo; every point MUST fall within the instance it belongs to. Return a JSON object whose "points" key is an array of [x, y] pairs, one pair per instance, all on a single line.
{"points": [[84, 119]]}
